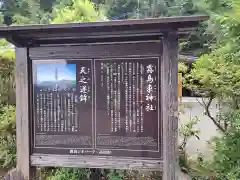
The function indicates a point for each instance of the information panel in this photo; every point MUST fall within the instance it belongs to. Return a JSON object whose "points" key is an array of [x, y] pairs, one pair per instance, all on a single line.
{"points": [[102, 107]]}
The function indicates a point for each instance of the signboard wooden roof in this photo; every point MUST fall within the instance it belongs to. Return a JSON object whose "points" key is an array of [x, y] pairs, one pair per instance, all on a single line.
{"points": [[124, 58], [144, 29]]}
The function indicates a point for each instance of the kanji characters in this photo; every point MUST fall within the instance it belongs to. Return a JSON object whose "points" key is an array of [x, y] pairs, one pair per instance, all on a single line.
{"points": [[83, 85], [150, 79], [149, 88], [83, 80], [150, 97], [83, 97], [150, 69], [83, 70], [83, 89], [149, 107]]}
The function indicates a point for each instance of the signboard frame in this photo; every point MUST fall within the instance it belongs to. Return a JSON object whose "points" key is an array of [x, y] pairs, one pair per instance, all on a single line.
{"points": [[131, 38], [161, 50], [101, 161]]}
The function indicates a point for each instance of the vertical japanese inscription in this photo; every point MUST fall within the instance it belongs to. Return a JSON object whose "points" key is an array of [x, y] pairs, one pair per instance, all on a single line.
{"points": [[63, 105], [104, 107], [129, 89]]}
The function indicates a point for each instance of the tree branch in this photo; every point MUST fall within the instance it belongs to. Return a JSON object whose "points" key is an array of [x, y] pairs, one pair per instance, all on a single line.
{"points": [[202, 104], [207, 106]]}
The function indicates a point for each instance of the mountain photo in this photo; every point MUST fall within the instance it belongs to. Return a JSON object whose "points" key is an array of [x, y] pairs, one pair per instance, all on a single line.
{"points": [[56, 76]]}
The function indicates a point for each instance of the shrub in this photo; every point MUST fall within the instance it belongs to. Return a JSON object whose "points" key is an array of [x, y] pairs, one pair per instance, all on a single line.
{"points": [[7, 137], [225, 164], [7, 108], [7, 78], [69, 174], [226, 160]]}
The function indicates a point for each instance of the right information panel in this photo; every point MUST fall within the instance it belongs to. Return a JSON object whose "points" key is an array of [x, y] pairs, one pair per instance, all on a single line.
{"points": [[127, 109]]}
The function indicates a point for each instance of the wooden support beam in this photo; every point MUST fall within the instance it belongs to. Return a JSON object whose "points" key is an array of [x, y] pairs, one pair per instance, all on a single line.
{"points": [[23, 114], [169, 101]]}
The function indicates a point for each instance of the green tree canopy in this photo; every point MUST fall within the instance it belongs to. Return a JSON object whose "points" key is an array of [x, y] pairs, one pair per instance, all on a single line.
{"points": [[78, 11], [217, 73]]}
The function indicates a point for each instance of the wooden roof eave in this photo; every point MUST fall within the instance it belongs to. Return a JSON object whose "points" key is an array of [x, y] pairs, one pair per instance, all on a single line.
{"points": [[124, 30]]}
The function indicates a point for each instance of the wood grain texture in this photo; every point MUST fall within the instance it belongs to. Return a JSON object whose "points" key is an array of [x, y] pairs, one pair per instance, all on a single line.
{"points": [[183, 20], [39, 32], [96, 51], [95, 162], [34, 35], [169, 86], [22, 114]]}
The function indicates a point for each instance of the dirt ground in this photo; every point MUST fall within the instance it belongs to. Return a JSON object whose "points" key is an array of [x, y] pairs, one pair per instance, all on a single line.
{"points": [[2, 173]]}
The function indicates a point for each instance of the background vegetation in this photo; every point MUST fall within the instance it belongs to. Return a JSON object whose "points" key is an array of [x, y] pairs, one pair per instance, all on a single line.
{"points": [[215, 74]]}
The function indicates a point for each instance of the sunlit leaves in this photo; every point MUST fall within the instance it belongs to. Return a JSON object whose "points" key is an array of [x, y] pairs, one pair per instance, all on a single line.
{"points": [[80, 11]]}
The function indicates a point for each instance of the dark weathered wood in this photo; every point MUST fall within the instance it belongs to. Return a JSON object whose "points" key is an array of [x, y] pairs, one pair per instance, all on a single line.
{"points": [[94, 34], [95, 162], [95, 37], [101, 30], [92, 40], [22, 114], [13, 40], [105, 24], [96, 51], [169, 84]]}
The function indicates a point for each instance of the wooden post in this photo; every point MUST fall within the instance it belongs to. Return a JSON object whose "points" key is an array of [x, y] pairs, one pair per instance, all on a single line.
{"points": [[22, 114], [169, 101]]}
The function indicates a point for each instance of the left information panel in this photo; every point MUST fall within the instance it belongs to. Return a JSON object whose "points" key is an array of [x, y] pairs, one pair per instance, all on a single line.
{"points": [[60, 89]]}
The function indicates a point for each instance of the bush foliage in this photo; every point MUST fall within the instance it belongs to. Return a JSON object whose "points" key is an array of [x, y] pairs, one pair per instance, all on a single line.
{"points": [[7, 108], [217, 75]]}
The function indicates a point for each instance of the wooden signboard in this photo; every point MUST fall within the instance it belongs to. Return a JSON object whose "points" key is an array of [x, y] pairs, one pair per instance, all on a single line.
{"points": [[99, 107], [98, 95]]}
